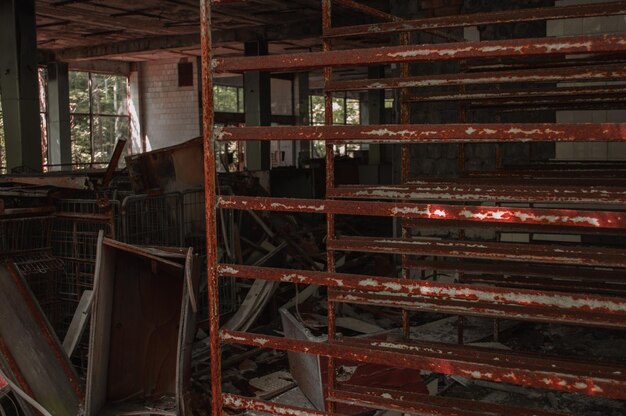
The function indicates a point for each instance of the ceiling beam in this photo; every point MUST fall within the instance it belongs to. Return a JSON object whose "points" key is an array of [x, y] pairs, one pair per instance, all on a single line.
{"points": [[300, 30]]}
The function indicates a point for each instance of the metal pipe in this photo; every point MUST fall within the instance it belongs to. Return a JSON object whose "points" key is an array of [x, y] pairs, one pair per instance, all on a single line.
{"points": [[210, 206]]}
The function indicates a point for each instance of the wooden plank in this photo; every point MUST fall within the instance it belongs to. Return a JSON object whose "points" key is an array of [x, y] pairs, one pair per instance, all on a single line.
{"points": [[79, 323], [35, 351]]}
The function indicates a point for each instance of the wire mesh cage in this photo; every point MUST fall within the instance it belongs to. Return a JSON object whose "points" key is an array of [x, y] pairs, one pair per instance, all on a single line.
{"points": [[43, 273], [25, 235], [75, 237], [153, 220], [74, 241], [194, 235]]}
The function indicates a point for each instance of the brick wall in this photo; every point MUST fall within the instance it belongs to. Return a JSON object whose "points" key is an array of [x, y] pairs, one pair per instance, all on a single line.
{"points": [[171, 112]]}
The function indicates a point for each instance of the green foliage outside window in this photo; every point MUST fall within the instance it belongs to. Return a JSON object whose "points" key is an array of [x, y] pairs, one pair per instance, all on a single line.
{"points": [[346, 111], [98, 116], [228, 99]]}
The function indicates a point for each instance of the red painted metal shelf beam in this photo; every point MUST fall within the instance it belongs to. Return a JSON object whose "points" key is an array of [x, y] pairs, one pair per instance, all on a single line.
{"points": [[613, 72], [460, 191], [517, 252], [491, 18], [530, 370], [414, 53], [433, 133], [603, 311], [485, 214]]}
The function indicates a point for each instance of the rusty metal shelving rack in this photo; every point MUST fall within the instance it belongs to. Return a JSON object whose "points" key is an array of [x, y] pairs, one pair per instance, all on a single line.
{"points": [[532, 304]]}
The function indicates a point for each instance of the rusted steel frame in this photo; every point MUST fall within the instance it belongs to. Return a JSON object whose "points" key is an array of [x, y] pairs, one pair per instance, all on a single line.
{"points": [[210, 201], [507, 227], [477, 363], [371, 11], [615, 91], [565, 273], [451, 298], [236, 402], [546, 284], [87, 217], [487, 214], [327, 6], [527, 253], [482, 355], [405, 169], [465, 191], [607, 101], [45, 328], [577, 73], [429, 52], [433, 133], [498, 17], [563, 173], [529, 312], [427, 405], [579, 105]]}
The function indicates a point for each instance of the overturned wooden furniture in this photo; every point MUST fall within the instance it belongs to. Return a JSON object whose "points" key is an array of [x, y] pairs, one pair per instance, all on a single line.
{"points": [[142, 327], [30, 353]]}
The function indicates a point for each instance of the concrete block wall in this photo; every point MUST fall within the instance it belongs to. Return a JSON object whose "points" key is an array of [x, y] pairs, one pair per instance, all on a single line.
{"points": [[588, 151], [172, 113]]}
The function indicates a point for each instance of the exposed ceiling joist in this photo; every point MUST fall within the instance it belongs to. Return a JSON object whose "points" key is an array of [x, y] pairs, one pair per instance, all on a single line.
{"points": [[160, 43]]}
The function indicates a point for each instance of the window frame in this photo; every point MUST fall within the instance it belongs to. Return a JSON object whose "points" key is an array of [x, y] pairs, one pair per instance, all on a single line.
{"points": [[91, 115]]}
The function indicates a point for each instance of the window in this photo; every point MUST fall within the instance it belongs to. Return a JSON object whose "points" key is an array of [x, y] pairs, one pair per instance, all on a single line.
{"points": [[98, 116], [346, 111], [228, 99]]}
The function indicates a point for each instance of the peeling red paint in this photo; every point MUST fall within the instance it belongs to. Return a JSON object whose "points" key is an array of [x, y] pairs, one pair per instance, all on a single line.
{"points": [[432, 133]]}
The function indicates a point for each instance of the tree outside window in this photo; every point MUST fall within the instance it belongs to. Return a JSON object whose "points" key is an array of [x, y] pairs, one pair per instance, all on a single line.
{"points": [[228, 99], [99, 116], [346, 111]]}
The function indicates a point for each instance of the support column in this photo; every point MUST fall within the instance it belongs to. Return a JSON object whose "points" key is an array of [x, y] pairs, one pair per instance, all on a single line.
{"points": [[59, 142], [258, 108], [19, 85], [375, 110]]}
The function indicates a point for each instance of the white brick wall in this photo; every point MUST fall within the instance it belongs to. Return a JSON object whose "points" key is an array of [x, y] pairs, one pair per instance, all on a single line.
{"points": [[588, 151], [171, 112]]}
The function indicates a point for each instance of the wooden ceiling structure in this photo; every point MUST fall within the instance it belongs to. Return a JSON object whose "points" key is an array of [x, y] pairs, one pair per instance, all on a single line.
{"points": [[74, 30]]}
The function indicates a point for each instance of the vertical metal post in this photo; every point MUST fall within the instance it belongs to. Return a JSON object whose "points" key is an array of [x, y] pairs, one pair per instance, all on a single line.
{"points": [[210, 206], [405, 118], [330, 183]]}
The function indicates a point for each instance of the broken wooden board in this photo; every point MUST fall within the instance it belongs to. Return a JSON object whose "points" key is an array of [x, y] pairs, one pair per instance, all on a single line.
{"points": [[78, 324], [30, 353], [142, 328]]}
